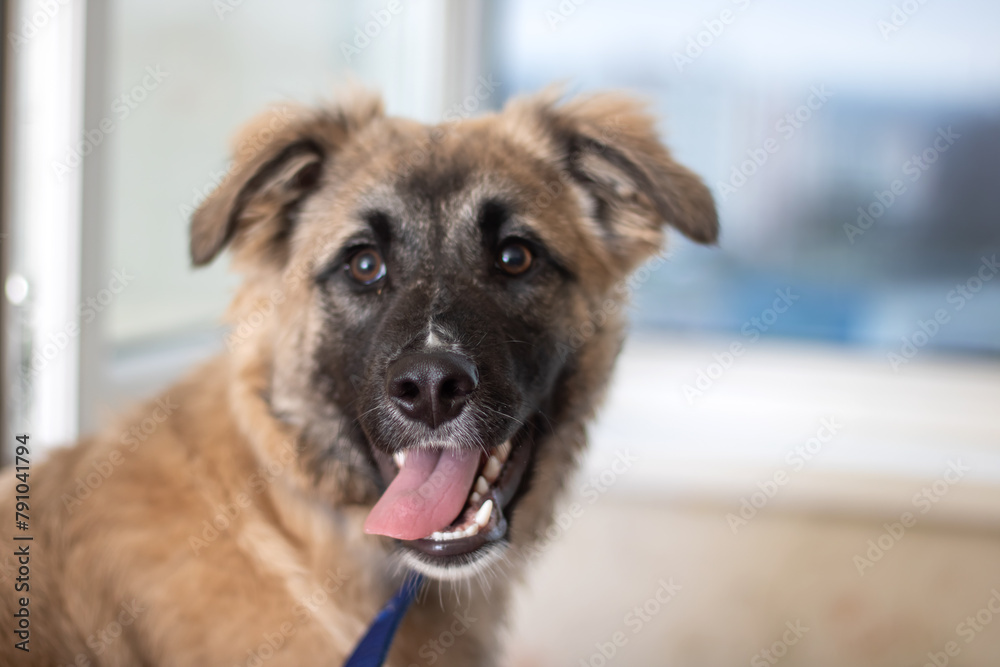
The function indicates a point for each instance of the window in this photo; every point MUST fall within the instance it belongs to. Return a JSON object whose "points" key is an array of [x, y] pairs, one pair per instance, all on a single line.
{"points": [[134, 119], [860, 177], [853, 155], [855, 183]]}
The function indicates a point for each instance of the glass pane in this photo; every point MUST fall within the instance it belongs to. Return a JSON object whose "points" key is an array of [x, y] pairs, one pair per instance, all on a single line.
{"points": [[853, 153], [184, 75]]}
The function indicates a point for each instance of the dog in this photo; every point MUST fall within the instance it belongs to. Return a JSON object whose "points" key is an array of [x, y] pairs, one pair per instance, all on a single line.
{"points": [[428, 319]]}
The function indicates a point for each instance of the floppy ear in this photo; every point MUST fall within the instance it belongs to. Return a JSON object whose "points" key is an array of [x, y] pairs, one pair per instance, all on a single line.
{"points": [[280, 158], [608, 144]]}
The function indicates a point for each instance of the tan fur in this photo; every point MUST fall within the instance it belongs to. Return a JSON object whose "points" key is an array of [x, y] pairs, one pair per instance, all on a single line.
{"points": [[291, 566]]}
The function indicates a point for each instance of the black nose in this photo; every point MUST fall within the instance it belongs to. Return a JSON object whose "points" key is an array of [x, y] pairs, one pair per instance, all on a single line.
{"points": [[431, 387]]}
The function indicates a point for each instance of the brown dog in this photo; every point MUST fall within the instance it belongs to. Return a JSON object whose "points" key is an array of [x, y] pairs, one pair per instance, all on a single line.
{"points": [[429, 317]]}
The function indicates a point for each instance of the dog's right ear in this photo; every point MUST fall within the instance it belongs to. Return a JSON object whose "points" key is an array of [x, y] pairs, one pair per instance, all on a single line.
{"points": [[279, 159]]}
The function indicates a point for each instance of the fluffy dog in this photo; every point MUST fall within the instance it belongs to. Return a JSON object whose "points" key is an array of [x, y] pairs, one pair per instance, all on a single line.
{"points": [[429, 317]]}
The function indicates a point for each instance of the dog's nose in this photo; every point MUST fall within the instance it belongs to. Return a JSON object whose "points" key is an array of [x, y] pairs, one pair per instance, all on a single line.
{"points": [[431, 387]]}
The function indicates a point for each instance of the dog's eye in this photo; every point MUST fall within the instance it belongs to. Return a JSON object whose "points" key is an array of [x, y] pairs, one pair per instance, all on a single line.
{"points": [[515, 258], [365, 266]]}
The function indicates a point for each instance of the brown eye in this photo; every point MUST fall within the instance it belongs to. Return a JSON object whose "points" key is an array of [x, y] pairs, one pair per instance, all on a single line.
{"points": [[366, 266], [515, 258]]}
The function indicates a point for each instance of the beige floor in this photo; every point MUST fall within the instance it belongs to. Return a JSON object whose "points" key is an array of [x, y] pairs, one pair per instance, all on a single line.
{"points": [[738, 592]]}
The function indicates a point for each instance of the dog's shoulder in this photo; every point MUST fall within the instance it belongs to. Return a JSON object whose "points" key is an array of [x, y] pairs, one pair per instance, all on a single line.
{"points": [[117, 518]]}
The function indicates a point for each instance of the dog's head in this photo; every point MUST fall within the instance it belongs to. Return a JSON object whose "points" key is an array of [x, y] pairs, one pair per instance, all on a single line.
{"points": [[440, 306]]}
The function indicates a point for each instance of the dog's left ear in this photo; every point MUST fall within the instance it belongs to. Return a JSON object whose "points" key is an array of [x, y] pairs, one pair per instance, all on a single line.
{"points": [[279, 159], [608, 144]]}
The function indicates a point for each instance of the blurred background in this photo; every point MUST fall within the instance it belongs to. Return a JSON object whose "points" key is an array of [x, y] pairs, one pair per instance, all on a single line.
{"points": [[806, 419]]}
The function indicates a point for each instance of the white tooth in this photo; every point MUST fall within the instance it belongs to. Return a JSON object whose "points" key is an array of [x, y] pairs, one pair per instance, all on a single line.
{"points": [[437, 536], [399, 458], [482, 486], [503, 451], [474, 498], [471, 530], [491, 469], [483, 515]]}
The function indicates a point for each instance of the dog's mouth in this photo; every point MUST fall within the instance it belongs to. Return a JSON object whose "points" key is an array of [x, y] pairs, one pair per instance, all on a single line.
{"points": [[447, 504]]}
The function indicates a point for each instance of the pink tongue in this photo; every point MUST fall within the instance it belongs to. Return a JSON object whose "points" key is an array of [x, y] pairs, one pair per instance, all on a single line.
{"points": [[427, 494]]}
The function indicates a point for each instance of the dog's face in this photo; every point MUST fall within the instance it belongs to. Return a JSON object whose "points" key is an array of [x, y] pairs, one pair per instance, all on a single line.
{"points": [[447, 301]]}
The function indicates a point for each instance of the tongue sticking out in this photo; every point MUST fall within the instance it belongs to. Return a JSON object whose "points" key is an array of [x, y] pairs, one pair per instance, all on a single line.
{"points": [[427, 494]]}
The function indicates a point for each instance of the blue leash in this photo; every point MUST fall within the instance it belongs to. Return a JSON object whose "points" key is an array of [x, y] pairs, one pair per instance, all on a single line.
{"points": [[374, 646]]}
